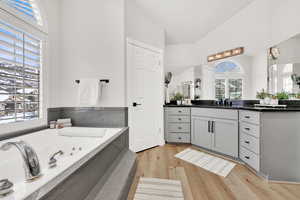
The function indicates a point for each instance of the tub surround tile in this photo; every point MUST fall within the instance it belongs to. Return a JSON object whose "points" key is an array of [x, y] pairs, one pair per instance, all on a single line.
{"points": [[119, 182], [113, 117]]}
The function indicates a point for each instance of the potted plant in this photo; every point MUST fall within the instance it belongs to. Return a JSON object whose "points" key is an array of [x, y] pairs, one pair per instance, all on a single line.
{"points": [[293, 96], [178, 98], [298, 96], [282, 95], [263, 96]]}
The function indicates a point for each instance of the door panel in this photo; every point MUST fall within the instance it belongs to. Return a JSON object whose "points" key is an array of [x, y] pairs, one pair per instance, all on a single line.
{"points": [[225, 137], [200, 135], [145, 87]]}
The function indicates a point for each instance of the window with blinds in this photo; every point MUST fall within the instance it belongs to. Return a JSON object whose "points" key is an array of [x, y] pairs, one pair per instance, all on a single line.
{"points": [[20, 61], [27, 8]]}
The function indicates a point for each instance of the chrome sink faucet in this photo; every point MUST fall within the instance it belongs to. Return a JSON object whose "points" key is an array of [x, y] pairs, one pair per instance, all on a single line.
{"points": [[31, 161]]}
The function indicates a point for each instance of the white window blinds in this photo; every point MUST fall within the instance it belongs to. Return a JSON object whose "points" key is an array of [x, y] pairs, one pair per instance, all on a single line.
{"points": [[27, 8], [19, 75]]}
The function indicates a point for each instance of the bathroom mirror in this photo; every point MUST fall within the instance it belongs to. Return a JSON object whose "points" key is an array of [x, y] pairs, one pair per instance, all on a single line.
{"points": [[239, 77], [284, 67], [186, 81]]}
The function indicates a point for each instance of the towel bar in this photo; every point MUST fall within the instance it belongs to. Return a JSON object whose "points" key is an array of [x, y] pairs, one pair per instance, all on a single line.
{"points": [[102, 80]]}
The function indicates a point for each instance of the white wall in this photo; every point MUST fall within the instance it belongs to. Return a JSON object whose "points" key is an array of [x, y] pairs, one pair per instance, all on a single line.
{"points": [[51, 12], [140, 27], [181, 56], [284, 20], [259, 72], [249, 28], [92, 46]]}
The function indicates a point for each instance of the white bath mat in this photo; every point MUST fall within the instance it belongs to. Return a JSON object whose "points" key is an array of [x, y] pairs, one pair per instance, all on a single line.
{"points": [[158, 189], [211, 163]]}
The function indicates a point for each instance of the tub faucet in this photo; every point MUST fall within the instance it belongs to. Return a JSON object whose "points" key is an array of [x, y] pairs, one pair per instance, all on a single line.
{"points": [[31, 161]]}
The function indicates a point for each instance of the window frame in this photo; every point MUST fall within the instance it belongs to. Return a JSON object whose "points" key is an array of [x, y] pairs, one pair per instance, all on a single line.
{"points": [[8, 129], [229, 75], [16, 79]]}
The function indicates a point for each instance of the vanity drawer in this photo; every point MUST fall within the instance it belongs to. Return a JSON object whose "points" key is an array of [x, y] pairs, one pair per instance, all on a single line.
{"points": [[249, 142], [215, 113], [250, 117], [179, 119], [179, 138], [250, 129], [178, 111], [250, 158], [179, 127]]}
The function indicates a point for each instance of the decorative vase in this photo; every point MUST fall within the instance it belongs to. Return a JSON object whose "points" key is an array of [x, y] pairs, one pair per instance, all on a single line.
{"points": [[267, 101], [274, 101], [261, 101], [179, 102]]}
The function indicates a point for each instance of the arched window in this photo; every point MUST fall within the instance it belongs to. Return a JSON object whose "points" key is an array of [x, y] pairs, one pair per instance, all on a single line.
{"points": [[227, 66], [228, 80], [27, 9]]}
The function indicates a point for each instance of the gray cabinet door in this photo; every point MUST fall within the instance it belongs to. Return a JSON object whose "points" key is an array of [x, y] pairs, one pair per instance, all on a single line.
{"points": [[225, 137], [200, 134]]}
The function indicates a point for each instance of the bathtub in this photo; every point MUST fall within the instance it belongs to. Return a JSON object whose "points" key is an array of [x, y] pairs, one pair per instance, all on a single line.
{"points": [[77, 151]]}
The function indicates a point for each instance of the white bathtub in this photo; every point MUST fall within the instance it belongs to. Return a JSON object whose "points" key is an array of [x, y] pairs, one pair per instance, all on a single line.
{"points": [[45, 143]]}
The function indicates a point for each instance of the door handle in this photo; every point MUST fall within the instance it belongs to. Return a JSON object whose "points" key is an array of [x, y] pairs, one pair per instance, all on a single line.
{"points": [[212, 126], [136, 104], [208, 126]]}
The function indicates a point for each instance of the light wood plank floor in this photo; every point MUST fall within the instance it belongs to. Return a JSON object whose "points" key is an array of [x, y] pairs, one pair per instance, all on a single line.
{"points": [[199, 184]]}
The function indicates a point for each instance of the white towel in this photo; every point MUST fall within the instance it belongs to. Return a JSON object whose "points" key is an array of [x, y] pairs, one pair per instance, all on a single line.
{"points": [[89, 92], [82, 132], [64, 121]]}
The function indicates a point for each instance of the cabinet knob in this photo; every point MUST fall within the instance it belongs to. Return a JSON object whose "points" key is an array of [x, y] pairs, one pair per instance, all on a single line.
{"points": [[180, 111], [179, 138], [247, 129], [247, 157], [247, 142], [179, 119], [247, 117], [179, 128]]}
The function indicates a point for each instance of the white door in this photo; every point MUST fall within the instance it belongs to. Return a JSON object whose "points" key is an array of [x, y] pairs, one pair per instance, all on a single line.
{"points": [[145, 96]]}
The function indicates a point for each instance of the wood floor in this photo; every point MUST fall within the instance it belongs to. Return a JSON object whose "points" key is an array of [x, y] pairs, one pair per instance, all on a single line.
{"points": [[199, 184]]}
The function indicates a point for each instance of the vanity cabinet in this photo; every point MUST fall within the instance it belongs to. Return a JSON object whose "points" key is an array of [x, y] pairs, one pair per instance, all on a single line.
{"points": [[201, 135], [250, 128], [215, 129], [178, 125]]}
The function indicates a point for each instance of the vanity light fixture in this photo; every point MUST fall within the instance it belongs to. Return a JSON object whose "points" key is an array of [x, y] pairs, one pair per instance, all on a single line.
{"points": [[226, 54]]}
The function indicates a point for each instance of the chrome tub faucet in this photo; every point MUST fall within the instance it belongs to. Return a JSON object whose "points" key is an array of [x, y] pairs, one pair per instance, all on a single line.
{"points": [[31, 161]]}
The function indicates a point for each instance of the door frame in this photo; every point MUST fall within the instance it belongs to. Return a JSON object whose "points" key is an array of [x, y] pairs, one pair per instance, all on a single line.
{"points": [[130, 41]]}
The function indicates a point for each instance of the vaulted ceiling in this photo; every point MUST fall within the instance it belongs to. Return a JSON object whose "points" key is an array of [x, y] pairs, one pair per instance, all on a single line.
{"points": [[187, 21]]}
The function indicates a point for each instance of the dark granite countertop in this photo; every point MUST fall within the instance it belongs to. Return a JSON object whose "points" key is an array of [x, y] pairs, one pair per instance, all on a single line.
{"points": [[251, 108]]}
